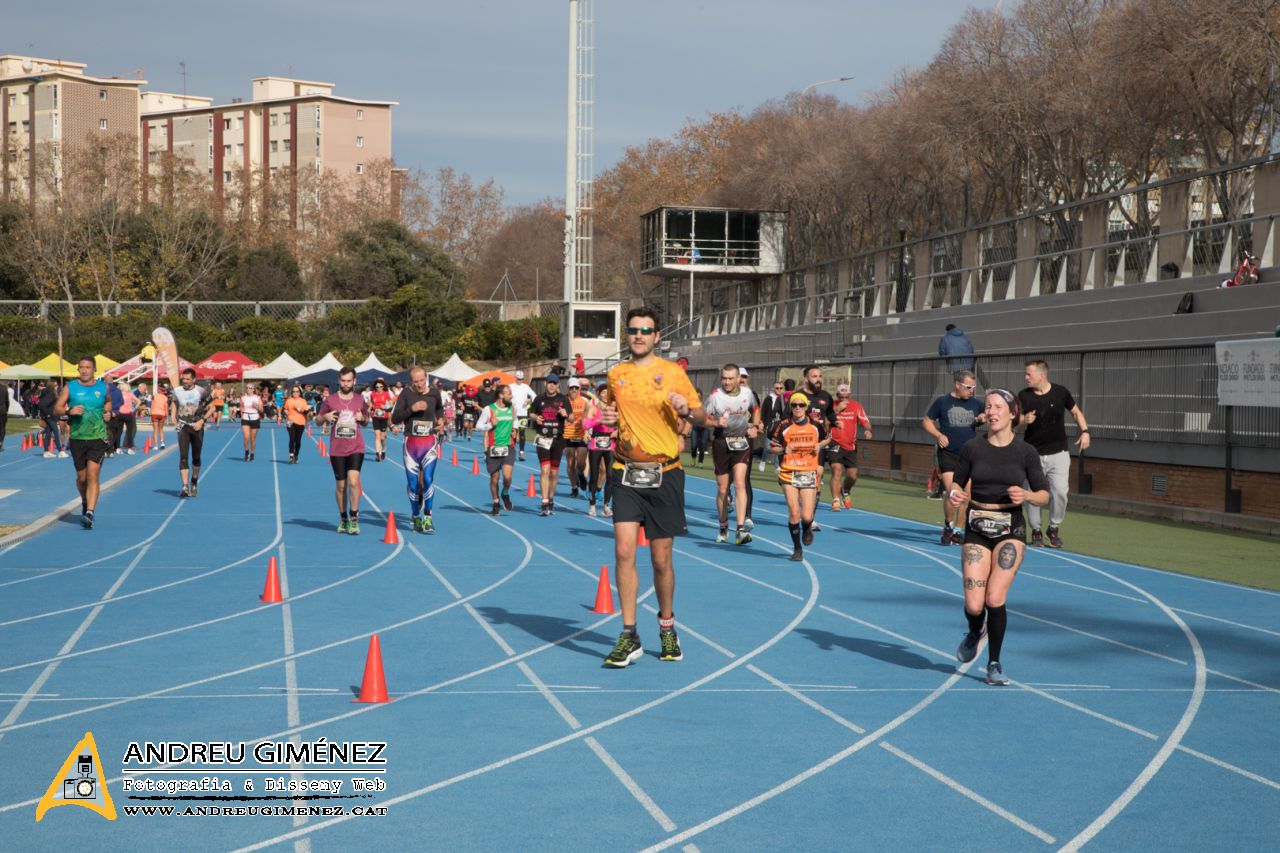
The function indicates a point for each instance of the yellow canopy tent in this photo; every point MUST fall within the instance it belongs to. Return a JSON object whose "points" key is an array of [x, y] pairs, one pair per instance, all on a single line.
{"points": [[3, 365], [101, 364], [50, 365]]}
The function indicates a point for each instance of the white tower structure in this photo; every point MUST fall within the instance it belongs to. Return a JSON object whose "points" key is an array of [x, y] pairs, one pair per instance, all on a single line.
{"points": [[578, 192]]}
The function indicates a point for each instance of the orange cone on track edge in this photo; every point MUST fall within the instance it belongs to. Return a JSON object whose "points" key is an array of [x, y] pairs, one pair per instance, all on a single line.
{"points": [[532, 491], [604, 595], [271, 590], [455, 457], [392, 537], [25, 445], [323, 450], [475, 464], [373, 687], [643, 540]]}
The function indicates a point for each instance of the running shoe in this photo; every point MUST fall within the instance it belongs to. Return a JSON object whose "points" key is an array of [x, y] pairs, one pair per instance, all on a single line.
{"points": [[162, 445], [749, 524], [1055, 541], [670, 646], [246, 456], [521, 455], [86, 520], [807, 536], [573, 493], [608, 511], [506, 501], [497, 508], [344, 526], [626, 651], [848, 502], [62, 454], [995, 674], [416, 524], [428, 526], [968, 649], [956, 538], [797, 555], [946, 534], [546, 509], [835, 506], [1037, 538], [48, 454], [130, 452], [743, 537], [250, 457], [353, 527], [816, 527], [184, 493], [591, 511], [722, 536], [193, 489]]}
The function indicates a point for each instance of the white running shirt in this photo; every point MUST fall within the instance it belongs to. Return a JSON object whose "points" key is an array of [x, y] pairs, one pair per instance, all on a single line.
{"points": [[521, 396]]}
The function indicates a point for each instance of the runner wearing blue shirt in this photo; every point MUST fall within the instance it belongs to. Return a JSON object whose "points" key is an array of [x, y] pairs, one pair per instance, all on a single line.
{"points": [[952, 420]]}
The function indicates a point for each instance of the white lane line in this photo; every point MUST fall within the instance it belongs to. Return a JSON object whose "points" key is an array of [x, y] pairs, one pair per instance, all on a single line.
{"points": [[641, 796], [4, 493], [970, 793], [796, 694]]}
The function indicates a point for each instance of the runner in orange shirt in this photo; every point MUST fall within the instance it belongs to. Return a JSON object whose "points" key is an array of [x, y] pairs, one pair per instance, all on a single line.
{"points": [[799, 439]]}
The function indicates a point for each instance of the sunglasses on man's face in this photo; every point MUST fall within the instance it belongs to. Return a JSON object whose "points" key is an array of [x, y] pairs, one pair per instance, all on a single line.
{"points": [[969, 387], [799, 405], [640, 330]]}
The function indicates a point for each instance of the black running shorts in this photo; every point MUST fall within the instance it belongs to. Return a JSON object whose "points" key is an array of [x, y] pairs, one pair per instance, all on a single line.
{"points": [[344, 464], [724, 459], [86, 450], [834, 454], [947, 461], [660, 510]]}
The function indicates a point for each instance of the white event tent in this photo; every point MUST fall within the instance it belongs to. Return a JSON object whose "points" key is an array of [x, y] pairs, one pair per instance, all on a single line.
{"points": [[454, 370], [329, 362], [279, 368]]}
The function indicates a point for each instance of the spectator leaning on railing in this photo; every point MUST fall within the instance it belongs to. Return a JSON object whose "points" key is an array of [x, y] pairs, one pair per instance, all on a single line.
{"points": [[955, 343]]}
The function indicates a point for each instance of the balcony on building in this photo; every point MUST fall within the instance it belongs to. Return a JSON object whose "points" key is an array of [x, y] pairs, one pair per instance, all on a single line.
{"points": [[713, 242]]}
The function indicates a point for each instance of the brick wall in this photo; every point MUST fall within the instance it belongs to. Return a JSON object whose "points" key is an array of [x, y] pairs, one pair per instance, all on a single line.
{"points": [[1191, 487]]}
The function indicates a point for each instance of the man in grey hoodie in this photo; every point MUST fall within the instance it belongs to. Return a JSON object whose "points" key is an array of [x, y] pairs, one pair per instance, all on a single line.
{"points": [[956, 343]]}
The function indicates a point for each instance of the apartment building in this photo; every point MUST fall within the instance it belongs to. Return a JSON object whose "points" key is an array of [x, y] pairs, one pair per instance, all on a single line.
{"points": [[48, 106], [288, 128]]}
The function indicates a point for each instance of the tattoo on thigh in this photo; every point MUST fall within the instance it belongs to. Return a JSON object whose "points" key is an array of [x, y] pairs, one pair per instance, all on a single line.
{"points": [[1007, 556], [974, 583], [973, 554]]}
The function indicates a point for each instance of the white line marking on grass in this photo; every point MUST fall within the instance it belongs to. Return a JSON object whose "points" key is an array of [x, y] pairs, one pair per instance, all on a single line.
{"points": [[970, 793]]}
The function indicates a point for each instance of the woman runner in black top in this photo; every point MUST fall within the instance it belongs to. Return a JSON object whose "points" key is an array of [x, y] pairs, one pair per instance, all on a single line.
{"points": [[989, 475]]}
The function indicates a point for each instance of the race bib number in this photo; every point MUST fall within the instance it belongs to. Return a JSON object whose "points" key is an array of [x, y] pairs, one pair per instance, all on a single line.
{"points": [[642, 475], [804, 479], [602, 442], [345, 430], [544, 441], [737, 443], [991, 524], [421, 429], [499, 452]]}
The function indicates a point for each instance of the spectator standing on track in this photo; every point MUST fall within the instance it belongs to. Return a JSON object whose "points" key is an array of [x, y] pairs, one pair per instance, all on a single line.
{"points": [[345, 411], [296, 412], [124, 419], [497, 425], [953, 421], [251, 411], [159, 414], [650, 397], [956, 348], [521, 396], [420, 412], [1045, 407], [46, 406], [86, 402], [116, 397], [191, 405], [798, 441], [842, 453], [734, 417], [989, 478]]}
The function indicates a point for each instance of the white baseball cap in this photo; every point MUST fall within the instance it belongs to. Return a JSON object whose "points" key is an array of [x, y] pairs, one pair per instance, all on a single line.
{"points": [[519, 374], [573, 382], [742, 371]]}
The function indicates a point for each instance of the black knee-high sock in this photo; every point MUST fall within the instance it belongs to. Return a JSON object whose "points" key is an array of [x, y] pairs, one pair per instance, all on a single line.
{"points": [[807, 525], [975, 622], [997, 621], [795, 534], [751, 492]]}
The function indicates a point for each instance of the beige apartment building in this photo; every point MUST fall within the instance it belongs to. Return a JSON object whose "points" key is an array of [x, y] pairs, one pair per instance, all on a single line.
{"points": [[288, 128], [50, 105]]}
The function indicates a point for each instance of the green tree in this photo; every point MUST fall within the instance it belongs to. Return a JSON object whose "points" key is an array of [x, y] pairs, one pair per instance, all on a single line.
{"points": [[382, 256]]}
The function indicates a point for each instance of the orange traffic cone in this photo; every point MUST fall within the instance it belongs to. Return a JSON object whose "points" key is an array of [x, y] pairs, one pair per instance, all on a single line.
{"points": [[373, 687], [308, 431], [604, 595], [51, 445], [475, 464], [455, 457], [24, 445], [643, 541], [532, 491], [323, 451], [391, 537], [271, 590]]}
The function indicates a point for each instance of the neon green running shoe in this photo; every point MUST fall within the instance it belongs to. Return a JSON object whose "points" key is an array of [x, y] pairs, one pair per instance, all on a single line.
{"points": [[353, 527], [343, 526]]}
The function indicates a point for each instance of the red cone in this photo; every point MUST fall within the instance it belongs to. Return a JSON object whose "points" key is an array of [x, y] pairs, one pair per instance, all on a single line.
{"points": [[643, 540], [373, 688], [604, 595], [475, 464], [392, 537], [455, 457], [271, 590], [532, 491], [323, 451]]}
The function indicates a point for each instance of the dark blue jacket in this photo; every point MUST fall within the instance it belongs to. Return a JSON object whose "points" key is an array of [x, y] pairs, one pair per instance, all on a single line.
{"points": [[956, 343]]}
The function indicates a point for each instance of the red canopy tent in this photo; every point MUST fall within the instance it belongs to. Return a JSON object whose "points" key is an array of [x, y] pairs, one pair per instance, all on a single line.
{"points": [[225, 365], [132, 365]]}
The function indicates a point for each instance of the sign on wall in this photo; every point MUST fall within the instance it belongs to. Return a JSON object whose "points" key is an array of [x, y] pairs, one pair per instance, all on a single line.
{"points": [[1249, 373]]}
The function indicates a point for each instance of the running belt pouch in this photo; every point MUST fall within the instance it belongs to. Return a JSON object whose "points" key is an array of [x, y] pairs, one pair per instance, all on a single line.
{"points": [[421, 429], [737, 443], [991, 524], [499, 452], [642, 475], [544, 441], [804, 479], [601, 442]]}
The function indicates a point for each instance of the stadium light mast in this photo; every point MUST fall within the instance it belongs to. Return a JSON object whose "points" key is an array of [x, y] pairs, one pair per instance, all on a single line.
{"points": [[578, 193]]}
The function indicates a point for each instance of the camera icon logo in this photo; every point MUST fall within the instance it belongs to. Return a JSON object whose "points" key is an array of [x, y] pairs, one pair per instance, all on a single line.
{"points": [[84, 786], [80, 781]]}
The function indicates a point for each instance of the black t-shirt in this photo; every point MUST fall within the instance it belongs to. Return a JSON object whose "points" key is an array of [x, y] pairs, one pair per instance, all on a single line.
{"points": [[547, 406], [486, 397], [1048, 433], [989, 470], [820, 403], [404, 408]]}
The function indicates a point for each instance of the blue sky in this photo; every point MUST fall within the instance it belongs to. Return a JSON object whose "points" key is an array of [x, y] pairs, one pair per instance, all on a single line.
{"points": [[482, 84]]}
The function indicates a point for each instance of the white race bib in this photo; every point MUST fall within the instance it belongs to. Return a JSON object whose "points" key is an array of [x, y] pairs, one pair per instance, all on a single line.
{"points": [[499, 452], [421, 429], [602, 442], [737, 443], [804, 479], [544, 441]]}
